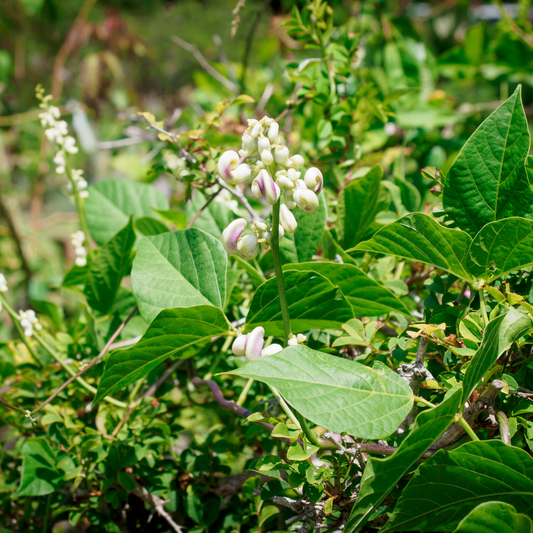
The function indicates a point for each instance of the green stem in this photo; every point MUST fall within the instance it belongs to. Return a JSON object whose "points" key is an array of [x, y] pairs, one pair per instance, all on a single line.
{"points": [[80, 380], [80, 207], [424, 402], [279, 271], [467, 428], [47, 512], [286, 408], [312, 437], [482, 307], [244, 393]]}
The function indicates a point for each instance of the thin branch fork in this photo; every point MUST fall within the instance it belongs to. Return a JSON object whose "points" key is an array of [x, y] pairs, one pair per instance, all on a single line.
{"points": [[240, 197], [158, 505], [205, 206], [205, 64], [94, 362]]}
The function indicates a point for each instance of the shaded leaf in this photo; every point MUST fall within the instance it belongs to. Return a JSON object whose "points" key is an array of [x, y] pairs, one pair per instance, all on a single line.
{"points": [[182, 268], [336, 393], [150, 226], [173, 332]]}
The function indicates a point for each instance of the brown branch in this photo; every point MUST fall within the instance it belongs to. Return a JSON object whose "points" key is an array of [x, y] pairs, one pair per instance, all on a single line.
{"points": [[157, 504], [205, 64], [201, 210], [94, 362]]}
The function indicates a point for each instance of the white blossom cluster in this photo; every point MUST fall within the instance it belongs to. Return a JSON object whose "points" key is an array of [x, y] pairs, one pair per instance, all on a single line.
{"points": [[29, 322], [251, 345], [56, 131], [78, 239], [273, 171]]}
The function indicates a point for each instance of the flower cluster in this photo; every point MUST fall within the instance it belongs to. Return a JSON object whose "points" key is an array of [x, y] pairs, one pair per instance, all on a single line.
{"points": [[56, 131], [251, 345], [29, 322], [274, 171], [78, 239]]}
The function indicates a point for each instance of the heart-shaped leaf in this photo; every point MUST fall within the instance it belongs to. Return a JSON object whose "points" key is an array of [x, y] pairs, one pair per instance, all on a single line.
{"points": [[175, 332], [335, 393], [181, 268]]}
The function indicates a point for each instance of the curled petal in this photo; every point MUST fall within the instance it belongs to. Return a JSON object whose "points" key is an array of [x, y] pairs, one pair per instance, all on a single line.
{"points": [[284, 183], [232, 234], [241, 174], [257, 129], [293, 175], [281, 155], [265, 186], [248, 247], [228, 161], [239, 345], [254, 344], [287, 219], [272, 349], [273, 132], [314, 180], [306, 200]]}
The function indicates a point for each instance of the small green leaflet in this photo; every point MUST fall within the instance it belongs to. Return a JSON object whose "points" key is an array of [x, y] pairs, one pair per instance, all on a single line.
{"points": [[181, 268], [488, 180], [336, 393], [174, 333], [449, 485], [495, 517], [40, 474], [382, 475]]}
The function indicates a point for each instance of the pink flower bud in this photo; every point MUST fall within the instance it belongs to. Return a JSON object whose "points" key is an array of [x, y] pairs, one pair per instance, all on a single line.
{"points": [[265, 186], [314, 180], [287, 219], [306, 200], [232, 234], [254, 344]]}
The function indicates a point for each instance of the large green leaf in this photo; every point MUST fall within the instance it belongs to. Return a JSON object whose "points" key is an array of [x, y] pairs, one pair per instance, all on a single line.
{"points": [[112, 202], [179, 269], [419, 237], [382, 475], [108, 269], [367, 296], [495, 517], [311, 227], [40, 474], [173, 332], [450, 484], [488, 181], [358, 206], [336, 393], [501, 247], [498, 336], [314, 302]]}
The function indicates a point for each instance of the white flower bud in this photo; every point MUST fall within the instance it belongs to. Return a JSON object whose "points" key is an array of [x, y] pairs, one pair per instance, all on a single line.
{"points": [[54, 111], [296, 161], [70, 145], [84, 194], [3, 283], [289, 201], [62, 127], [263, 144], [301, 338], [28, 332], [293, 175], [249, 145], [80, 252], [248, 246], [60, 170], [254, 344], [232, 234], [80, 261], [272, 349], [230, 170], [306, 200], [284, 182], [257, 129], [239, 345], [293, 341], [266, 157], [314, 180], [281, 155], [287, 219], [273, 133], [51, 133], [264, 185]]}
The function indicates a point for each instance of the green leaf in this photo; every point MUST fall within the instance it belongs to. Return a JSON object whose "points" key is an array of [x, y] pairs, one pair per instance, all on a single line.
{"points": [[358, 206], [382, 475], [314, 302], [297, 453], [112, 202], [488, 181], [495, 517], [176, 218], [173, 332], [76, 276], [311, 227], [182, 268], [40, 474], [367, 296], [450, 484], [501, 247], [126, 481], [108, 268], [338, 394], [214, 219], [420, 238], [499, 334], [150, 226]]}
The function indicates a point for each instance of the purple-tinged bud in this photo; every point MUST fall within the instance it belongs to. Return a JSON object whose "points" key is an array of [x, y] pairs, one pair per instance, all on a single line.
{"points": [[264, 185], [254, 344], [306, 200], [314, 180], [287, 219], [248, 247], [239, 345], [232, 234], [230, 170]]}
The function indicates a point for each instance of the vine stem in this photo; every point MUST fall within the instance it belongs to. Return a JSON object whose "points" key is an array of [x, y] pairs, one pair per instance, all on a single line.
{"points": [[286, 408], [279, 271]]}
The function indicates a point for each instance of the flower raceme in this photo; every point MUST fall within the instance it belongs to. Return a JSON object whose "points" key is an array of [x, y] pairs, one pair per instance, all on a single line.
{"points": [[29, 322], [251, 345], [262, 140]]}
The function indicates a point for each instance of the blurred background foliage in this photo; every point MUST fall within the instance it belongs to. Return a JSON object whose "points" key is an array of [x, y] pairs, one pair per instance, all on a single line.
{"points": [[405, 84]]}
